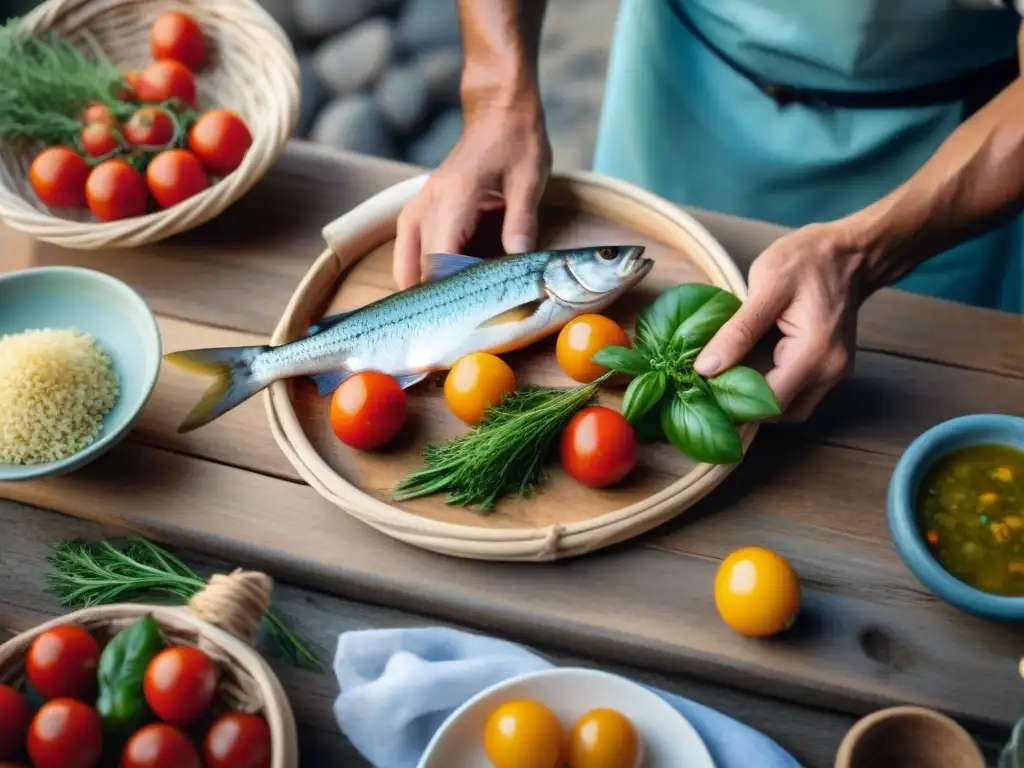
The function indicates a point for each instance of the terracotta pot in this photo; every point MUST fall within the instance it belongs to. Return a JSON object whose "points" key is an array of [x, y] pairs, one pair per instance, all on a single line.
{"points": [[908, 737]]}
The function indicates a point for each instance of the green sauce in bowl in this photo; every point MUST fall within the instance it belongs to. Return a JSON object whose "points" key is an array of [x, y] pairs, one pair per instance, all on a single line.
{"points": [[971, 511]]}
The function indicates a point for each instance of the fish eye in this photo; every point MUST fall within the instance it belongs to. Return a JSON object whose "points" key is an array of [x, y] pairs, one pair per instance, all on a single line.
{"points": [[606, 253]]}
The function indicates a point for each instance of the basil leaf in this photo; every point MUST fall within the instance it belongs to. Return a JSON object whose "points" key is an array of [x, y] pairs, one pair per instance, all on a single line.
{"points": [[642, 394], [647, 428], [695, 425], [622, 359], [744, 395], [697, 329], [658, 321], [122, 666]]}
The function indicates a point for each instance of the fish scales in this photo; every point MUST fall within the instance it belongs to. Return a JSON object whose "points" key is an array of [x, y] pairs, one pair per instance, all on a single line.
{"points": [[393, 322]]}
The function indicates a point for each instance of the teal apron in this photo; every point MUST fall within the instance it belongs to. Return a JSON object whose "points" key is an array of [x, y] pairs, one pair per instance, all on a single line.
{"points": [[681, 120]]}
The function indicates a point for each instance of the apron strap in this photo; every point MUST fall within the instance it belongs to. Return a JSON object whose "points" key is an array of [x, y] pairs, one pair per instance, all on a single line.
{"points": [[974, 89]]}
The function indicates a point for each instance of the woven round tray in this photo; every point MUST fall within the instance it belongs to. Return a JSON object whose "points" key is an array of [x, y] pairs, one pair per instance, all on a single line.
{"points": [[252, 70], [563, 518], [221, 620]]}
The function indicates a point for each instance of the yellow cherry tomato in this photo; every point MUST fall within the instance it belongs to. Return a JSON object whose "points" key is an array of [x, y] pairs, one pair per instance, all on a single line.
{"points": [[580, 339], [524, 734], [757, 593], [603, 738], [475, 382]]}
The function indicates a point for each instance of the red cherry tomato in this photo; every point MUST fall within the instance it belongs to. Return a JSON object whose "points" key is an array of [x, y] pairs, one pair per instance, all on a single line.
{"points": [[61, 663], [175, 175], [98, 139], [150, 127], [175, 35], [179, 684], [58, 175], [159, 745], [598, 446], [115, 190], [98, 113], [167, 79], [65, 733], [15, 715], [220, 138], [368, 410], [237, 740], [130, 85]]}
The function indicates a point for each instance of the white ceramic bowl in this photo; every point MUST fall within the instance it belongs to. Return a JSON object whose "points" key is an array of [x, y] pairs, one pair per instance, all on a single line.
{"points": [[668, 738]]}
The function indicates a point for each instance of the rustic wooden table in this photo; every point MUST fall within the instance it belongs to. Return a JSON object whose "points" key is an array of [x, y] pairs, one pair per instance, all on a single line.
{"points": [[870, 635]]}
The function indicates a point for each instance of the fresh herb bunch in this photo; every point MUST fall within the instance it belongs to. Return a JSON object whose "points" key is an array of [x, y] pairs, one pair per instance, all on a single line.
{"points": [[504, 454], [97, 573], [47, 82], [667, 397]]}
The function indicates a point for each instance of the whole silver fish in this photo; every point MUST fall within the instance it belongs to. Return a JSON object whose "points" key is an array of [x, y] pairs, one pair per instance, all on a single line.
{"points": [[465, 305]]}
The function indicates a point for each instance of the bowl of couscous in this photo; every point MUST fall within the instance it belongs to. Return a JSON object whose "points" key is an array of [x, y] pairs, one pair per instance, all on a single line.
{"points": [[79, 358]]}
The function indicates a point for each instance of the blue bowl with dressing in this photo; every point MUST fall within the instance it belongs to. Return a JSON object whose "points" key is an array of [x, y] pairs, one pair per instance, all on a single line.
{"points": [[928, 468], [118, 319]]}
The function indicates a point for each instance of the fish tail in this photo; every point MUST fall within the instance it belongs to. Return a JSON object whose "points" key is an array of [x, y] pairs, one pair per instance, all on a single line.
{"points": [[235, 382]]}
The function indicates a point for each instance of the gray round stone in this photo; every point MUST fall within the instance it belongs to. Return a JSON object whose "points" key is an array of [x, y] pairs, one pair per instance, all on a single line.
{"points": [[354, 59], [433, 146], [312, 95], [320, 18], [403, 97], [354, 123], [428, 24], [442, 71]]}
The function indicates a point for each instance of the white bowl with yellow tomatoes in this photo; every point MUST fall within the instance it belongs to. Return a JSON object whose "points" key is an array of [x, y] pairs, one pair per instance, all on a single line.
{"points": [[566, 717]]}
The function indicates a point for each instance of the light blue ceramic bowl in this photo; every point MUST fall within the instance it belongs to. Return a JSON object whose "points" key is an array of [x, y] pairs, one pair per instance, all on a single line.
{"points": [[937, 442], [119, 320]]}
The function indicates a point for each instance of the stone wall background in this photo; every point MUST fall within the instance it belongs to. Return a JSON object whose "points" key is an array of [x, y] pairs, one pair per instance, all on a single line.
{"points": [[382, 76]]}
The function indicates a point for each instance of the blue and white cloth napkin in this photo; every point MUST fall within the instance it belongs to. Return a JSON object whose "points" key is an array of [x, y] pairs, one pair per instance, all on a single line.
{"points": [[399, 685]]}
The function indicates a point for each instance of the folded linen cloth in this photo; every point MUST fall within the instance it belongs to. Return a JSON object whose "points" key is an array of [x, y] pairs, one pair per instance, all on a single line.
{"points": [[399, 685]]}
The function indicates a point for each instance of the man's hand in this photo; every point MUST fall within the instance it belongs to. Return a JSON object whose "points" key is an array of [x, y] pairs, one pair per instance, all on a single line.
{"points": [[810, 284], [502, 159]]}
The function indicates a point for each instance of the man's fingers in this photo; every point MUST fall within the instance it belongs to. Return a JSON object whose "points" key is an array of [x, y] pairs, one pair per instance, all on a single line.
{"points": [[448, 228], [405, 263], [796, 372], [806, 402], [522, 195], [740, 333]]}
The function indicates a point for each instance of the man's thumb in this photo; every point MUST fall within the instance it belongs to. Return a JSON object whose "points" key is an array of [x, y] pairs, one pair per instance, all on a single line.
{"points": [[735, 339]]}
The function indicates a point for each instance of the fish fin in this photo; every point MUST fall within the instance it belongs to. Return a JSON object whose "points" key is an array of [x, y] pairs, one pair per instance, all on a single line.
{"points": [[328, 322], [326, 383], [235, 383], [411, 380], [514, 315], [438, 266]]}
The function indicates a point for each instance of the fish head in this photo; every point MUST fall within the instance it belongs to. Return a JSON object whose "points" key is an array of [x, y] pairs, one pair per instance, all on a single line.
{"points": [[594, 277]]}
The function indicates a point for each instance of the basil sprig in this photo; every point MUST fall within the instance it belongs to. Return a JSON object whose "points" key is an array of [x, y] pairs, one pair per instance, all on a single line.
{"points": [[667, 398]]}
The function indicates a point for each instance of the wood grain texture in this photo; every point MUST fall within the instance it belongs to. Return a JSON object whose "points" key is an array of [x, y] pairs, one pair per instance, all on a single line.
{"points": [[869, 636], [811, 735], [815, 493]]}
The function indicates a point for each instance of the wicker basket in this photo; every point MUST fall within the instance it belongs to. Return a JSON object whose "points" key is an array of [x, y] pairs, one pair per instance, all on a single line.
{"points": [[252, 70], [221, 620], [611, 518]]}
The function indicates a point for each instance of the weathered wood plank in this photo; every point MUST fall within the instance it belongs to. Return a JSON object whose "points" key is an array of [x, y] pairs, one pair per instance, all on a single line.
{"points": [[811, 735], [857, 647]]}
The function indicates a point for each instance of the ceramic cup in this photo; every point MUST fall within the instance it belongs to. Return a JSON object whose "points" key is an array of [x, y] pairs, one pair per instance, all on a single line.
{"points": [[908, 737]]}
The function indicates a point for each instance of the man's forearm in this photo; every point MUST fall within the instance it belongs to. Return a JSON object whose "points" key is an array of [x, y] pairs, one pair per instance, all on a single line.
{"points": [[973, 182], [501, 42]]}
